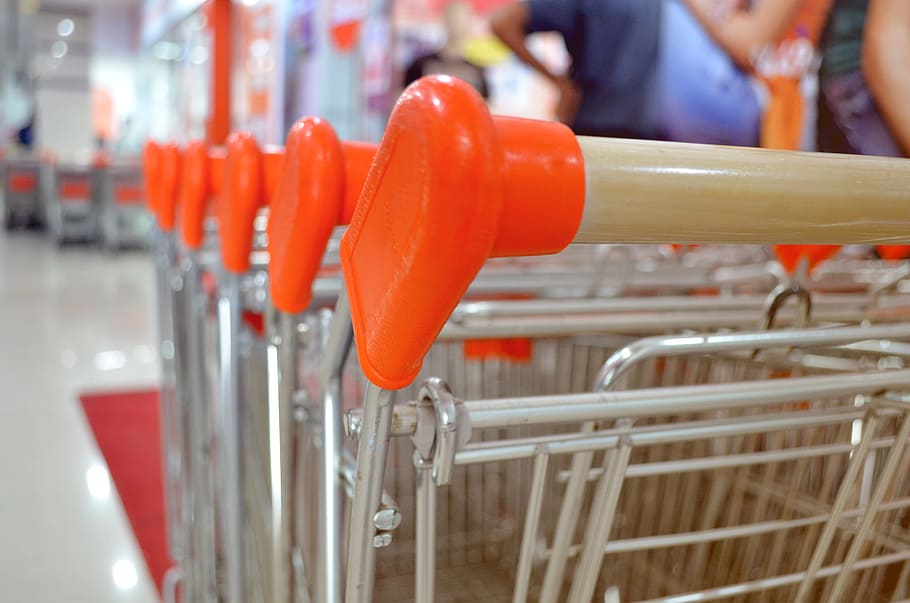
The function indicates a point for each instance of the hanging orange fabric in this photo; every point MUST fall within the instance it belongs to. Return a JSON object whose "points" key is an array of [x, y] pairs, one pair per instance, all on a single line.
{"points": [[782, 69]]}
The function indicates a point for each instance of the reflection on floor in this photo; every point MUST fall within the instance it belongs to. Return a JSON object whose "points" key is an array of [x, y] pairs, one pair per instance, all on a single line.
{"points": [[71, 320]]}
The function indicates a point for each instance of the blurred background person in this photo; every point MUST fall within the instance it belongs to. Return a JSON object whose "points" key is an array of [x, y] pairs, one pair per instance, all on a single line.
{"points": [[864, 79], [682, 70], [450, 58]]}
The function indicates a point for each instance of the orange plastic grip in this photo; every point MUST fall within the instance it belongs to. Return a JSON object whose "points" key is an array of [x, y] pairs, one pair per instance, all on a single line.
{"points": [[169, 187], [244, 194], [151, 168], [320, 179], [194, 193], [449, 187], [790, 255]]}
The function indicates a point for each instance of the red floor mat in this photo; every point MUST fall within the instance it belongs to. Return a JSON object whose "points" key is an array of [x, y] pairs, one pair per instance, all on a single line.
{"points": [[127, 427]]}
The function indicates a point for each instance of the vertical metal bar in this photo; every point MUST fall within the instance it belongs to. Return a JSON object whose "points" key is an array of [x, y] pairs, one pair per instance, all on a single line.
{"points": [[425, 549], [203, 530], [329, 583], [372, 447], [605, 500], [565, 525], [230, 474], [532, 521], [282, 364], [895, 457], [840, 502], [172, 442]]}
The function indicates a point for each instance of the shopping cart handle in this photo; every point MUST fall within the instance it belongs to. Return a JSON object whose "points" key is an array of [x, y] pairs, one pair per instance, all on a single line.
{"points": [[203, 179], [446, 177], [451, 186], [194, 193], [251, 176], [151, 171], [167, 184], [320, 181]]}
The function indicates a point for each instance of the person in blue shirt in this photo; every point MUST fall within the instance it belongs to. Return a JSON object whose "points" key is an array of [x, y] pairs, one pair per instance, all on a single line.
{"points": [[667, 69]]}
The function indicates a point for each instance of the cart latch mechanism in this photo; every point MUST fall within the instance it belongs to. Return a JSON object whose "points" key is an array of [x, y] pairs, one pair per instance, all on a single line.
{"points": [[443, 427]]}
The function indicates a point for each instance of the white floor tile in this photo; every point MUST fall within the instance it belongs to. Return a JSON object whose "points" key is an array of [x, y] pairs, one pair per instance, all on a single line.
{"points": [[71, 320]]}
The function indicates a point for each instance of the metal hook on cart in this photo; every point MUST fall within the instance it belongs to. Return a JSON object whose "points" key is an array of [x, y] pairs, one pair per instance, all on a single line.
{"points": [[443, 427], [779, 296]]}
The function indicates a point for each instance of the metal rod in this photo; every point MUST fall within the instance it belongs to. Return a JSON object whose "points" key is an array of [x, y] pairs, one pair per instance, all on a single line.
{"points": [[372, 449], [204, 545], [565, 526], [606, 498], [647, 543], [425, 550], [680, 345], [485, 310], [578, 408], [885, 483], [228, 313], [171, 438], [649, 322], [657, 192], [744, 588], [532, 521], [281, 359], [674, 433], [845, 492], [329, 581]]}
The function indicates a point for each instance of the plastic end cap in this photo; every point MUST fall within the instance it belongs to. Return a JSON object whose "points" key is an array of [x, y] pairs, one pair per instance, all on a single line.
{"points": [[242, 197], [194, 197], [170, 183], [426, 221], [790, 255], [305, 209]]}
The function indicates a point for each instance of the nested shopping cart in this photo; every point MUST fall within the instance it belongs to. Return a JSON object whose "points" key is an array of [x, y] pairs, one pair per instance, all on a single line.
{"points": [[73, 210], [616, 420], [121, 200], [24, 183], [449, 188]]}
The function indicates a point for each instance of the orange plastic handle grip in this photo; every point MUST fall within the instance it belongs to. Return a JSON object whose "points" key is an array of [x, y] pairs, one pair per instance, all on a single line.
{"points": [[245, 192], [449, 188], [151, 167], [195, 192], [321, 178], [790, 255], [170, 182]]}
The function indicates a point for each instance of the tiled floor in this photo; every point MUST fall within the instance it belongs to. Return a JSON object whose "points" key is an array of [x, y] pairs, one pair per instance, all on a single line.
{"points": [[71, 320]]}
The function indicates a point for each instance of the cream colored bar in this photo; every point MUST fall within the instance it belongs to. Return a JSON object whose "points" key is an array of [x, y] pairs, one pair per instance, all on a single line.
{"points": [[658, 192]]}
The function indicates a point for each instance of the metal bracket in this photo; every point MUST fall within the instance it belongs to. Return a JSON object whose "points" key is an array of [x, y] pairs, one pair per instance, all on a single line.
{"points": [[443, 427]]}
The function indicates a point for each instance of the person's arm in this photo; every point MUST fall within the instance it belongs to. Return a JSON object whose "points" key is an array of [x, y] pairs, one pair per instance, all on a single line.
{"points": [[746, 32], [886, 49], [510, 24]]}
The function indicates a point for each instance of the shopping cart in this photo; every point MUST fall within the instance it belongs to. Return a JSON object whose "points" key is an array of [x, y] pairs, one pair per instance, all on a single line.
{"points": [[124, 221], [753, 439], [22, 188], [463, 187], [73, 212]]}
